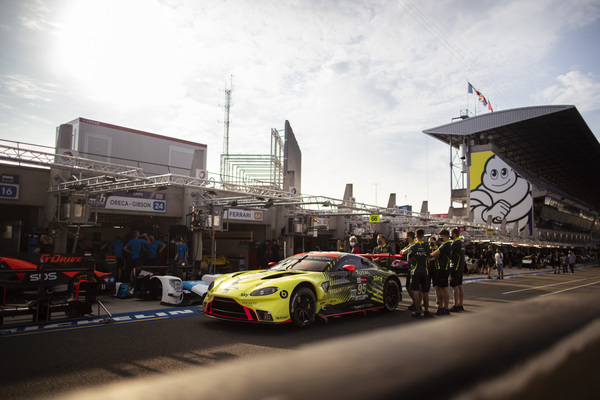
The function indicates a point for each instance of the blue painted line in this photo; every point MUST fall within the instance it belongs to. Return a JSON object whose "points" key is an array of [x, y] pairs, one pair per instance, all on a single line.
{"points": [[95, 322]]}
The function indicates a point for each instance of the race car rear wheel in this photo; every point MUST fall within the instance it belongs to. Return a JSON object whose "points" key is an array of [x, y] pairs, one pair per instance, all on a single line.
{"points": [[391, 295], [302, 307]]}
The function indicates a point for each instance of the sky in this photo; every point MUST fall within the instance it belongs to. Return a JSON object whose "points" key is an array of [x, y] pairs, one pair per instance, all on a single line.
{"points": [[358, 80]]}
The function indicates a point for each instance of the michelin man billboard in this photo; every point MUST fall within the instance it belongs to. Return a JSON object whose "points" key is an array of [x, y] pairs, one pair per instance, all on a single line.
{"points": [[498, 191]]}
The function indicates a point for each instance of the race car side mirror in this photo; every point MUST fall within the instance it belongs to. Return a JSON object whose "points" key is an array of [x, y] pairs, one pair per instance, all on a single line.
{"points": [[349, 268]]}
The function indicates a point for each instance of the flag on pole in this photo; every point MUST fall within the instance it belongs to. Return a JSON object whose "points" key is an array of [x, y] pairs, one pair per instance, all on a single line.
{"points": [[482, 98], [471, 88]]}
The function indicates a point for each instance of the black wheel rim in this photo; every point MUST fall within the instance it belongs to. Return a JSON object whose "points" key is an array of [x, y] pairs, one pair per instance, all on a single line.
{"points": [[304, 308], [391, 296]]}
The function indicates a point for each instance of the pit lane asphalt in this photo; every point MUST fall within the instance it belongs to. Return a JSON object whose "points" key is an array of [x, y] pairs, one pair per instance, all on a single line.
{"points": [[42, 361]]}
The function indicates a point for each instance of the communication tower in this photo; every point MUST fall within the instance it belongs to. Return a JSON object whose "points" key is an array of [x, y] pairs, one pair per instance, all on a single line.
{"points": [[227, 107]]}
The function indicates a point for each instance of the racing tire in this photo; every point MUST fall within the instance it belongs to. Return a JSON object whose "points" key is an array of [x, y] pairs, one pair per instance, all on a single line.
{"points": [[391, 295], [303, 307]]}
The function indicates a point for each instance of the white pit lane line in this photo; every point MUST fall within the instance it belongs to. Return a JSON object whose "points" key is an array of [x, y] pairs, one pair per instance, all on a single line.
{"points": [[573, 288], [544, 286]]}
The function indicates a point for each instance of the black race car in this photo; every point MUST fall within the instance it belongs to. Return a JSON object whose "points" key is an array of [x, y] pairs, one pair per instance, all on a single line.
{"points": [[40, 284]]}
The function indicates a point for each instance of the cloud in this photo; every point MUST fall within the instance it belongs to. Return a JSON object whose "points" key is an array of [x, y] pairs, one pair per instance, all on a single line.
{"points": [[359, 81], [574, 87], [36, 16], [19, 86]]}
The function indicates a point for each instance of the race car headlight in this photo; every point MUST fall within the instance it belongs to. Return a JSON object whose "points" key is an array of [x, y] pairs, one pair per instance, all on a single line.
{"points": [[264, 291], [211, 286], [176, 284]]}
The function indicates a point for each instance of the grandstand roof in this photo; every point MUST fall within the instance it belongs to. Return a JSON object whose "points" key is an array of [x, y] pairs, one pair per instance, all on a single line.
{"points": [[551, 146]]}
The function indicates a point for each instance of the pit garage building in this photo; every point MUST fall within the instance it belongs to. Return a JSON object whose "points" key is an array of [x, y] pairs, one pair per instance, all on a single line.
{"points": [[101, 181]]}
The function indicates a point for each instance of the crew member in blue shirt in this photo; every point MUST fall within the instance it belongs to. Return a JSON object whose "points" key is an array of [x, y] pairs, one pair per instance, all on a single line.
{"points": [[181, 254], [134, 247], [154, 247], [116, 248]]}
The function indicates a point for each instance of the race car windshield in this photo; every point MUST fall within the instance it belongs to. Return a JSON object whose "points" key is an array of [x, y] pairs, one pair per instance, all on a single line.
{"points": [[306, 263]]}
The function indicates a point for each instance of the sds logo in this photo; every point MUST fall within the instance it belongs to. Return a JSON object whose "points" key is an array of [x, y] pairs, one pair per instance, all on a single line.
{"points": [[50, 276]]}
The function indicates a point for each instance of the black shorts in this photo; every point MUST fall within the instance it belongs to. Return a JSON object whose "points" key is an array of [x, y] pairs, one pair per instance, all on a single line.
{"points": [[408, 281], [441, 278], [420, 283], [456, 277], [433, 274], [152, 261], [137, 262]]}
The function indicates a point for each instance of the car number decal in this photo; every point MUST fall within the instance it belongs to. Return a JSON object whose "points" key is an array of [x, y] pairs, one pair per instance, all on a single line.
{"points": [[361, 289]]}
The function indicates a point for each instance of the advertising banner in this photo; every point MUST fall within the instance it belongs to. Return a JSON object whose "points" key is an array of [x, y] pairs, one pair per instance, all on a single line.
{"points": [[499, 192]]}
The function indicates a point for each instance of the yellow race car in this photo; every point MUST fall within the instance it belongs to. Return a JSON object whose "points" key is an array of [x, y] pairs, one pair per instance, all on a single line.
{"points": [[221, 262], [303, 287]]}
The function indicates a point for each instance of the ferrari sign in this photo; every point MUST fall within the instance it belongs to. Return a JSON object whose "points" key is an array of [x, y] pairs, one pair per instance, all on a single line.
{"points": [[244, 215]]}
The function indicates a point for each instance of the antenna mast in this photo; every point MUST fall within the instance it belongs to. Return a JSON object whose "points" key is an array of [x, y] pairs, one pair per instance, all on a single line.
{"points": [[227, 107]]}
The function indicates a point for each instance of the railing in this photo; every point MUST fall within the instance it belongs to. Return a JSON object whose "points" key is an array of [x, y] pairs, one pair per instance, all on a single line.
{"points": [[520, 350]]}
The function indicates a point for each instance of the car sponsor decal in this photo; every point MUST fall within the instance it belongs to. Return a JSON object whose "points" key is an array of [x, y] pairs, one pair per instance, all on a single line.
{"points": [[323, 256], [57, 258], [283, 294], [362, 306], [95, 322]]}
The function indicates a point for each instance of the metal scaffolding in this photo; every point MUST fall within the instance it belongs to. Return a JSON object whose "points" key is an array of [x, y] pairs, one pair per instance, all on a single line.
{"points": [[91, 178], [265, 171]]}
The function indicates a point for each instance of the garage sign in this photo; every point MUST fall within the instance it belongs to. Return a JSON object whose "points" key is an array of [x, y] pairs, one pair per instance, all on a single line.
{"points": [[244, 215], [9, 187], [138, 201]]}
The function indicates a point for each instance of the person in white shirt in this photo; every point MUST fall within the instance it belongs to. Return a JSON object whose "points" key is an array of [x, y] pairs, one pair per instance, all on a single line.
{"points": [[499, 264]]}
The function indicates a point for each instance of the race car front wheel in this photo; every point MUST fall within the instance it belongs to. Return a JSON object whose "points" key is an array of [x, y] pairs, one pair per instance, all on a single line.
{"points": [[391, 295], [302, 307]]}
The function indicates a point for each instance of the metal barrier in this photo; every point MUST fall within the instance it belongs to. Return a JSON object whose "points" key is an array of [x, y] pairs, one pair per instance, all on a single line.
{"points": [[469, 356]]}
